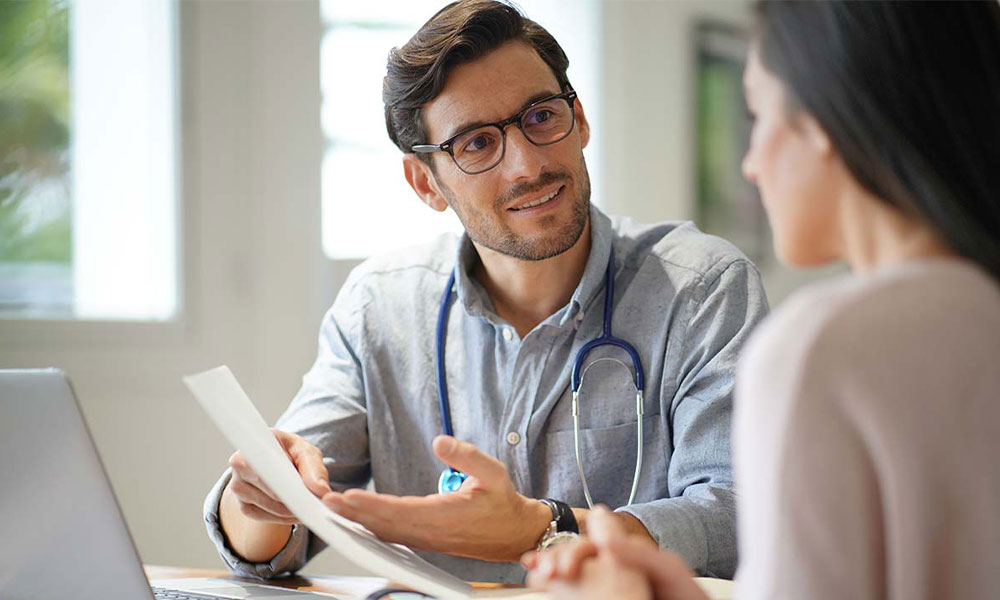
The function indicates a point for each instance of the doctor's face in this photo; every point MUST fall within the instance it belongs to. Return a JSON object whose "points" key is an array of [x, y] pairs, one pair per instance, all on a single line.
{"points": [[535, 203]]}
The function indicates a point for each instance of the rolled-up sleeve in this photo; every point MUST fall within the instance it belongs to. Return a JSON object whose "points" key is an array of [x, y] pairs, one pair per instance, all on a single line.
{"points": [[295, 553], [698, 518], [329, 411]]}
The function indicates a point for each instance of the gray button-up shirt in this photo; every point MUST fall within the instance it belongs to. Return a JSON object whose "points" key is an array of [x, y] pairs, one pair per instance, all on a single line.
{"points": [[685, 300]]}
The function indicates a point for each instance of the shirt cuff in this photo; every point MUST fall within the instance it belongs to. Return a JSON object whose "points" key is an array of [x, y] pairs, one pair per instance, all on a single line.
{"points": [[290, 559], [702, 533]]}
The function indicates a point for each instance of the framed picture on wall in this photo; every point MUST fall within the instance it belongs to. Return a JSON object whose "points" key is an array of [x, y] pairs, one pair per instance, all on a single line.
{"points": [[727, 205]]}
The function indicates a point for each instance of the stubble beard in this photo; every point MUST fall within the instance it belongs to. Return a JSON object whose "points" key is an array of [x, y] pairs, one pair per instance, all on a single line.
{"points": [[493, 234]]}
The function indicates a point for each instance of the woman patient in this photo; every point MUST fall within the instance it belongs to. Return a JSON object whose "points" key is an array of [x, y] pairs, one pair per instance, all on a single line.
{"points": [[867, 420]]}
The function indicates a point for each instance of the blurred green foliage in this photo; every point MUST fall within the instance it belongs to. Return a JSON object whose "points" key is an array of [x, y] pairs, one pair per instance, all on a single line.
{"points": [[35, 218], [718, 90], [728, 206]]}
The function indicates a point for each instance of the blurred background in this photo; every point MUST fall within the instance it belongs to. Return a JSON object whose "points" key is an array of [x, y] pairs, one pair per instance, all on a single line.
{"points": [[187, 184]]}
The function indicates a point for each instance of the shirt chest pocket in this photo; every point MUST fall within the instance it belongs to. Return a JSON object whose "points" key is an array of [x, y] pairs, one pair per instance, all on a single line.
{"points": [[609, 457], [607, 398]]}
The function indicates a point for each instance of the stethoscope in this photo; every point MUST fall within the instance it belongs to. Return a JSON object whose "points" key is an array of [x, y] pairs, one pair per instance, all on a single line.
{"points": [[451, 479]]}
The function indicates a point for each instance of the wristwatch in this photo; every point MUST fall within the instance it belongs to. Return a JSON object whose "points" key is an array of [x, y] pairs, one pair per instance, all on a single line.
{"points": [[563, 527]]}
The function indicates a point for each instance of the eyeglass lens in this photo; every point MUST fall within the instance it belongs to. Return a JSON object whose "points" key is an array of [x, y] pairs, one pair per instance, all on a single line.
{"points": [[482, 149]]}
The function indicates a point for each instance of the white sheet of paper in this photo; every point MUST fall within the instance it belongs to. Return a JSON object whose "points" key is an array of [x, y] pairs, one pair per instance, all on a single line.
{"points": [[227, 404]]}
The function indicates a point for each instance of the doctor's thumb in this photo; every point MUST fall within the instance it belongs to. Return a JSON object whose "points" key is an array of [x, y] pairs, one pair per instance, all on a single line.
{"points": [[445, 445], [465, 457]]}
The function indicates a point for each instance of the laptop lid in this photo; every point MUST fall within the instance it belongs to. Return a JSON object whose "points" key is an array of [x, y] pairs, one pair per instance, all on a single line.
{"points": [[62, 534]]}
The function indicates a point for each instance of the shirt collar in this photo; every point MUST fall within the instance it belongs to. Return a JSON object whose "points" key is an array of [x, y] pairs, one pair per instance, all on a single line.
{"points": [[470, 293], [592, 282], [474, 298]]}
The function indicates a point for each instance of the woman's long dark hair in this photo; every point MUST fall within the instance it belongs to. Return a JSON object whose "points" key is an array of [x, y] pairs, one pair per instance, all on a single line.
{"points": [[909, 94]]}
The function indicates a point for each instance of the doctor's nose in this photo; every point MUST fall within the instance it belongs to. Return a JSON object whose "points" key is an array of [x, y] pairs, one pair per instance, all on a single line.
{"points": [[522, 159]]}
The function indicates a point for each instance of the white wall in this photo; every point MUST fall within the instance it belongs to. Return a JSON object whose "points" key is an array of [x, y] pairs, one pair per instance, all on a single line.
{"points": [[255, 282], [649, 111]]}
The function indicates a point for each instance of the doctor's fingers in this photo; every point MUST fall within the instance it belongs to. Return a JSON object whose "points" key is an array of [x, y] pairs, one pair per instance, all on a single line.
{"points": [[242, 471], [250, 495], [427, 517], [465, 457], [308, 461]]}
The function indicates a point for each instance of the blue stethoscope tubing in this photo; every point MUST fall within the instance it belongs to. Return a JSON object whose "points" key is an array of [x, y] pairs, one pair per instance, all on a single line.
{"points": [[451, 479]]}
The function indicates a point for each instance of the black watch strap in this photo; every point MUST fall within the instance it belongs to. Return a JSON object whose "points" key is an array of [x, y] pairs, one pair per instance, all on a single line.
{"points": [[562, 514]]}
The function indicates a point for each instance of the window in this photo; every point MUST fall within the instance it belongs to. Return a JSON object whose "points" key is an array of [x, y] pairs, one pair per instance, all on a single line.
{"points": [[367, 205], [87, 160]]}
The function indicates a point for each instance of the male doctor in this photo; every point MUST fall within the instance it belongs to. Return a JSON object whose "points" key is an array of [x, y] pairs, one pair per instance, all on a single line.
{"points": [[479, 103]]}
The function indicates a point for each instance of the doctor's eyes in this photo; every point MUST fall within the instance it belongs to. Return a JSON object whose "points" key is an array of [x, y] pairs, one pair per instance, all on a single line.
{"points": [[479, 143], [482, 141], [537, 117]]}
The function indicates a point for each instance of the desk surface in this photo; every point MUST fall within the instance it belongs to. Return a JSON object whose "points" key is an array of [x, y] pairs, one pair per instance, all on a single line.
{"points": [[717, 589], [329, 585]]}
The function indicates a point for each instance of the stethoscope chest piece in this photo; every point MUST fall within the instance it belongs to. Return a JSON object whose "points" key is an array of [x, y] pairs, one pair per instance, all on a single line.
{"points": [[451, 480]]}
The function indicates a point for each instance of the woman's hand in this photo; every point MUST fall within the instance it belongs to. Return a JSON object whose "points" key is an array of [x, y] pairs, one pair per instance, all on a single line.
{"points": [[611, 564]]}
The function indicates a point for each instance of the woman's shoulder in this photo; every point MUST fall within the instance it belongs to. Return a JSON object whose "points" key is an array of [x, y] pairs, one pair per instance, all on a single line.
{"points": [[879, 321], [903, 301]]}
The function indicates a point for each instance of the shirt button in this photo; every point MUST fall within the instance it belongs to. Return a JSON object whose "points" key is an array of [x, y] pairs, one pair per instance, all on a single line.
{"points": [[508, 335], [513, 438]]}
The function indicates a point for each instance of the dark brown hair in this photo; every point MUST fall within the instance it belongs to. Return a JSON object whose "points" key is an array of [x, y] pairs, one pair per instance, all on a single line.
{"points": [[460, 32], [909, 93]]}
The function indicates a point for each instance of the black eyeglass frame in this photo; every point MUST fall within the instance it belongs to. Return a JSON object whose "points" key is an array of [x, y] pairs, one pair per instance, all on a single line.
{"points": [[448, 145]]}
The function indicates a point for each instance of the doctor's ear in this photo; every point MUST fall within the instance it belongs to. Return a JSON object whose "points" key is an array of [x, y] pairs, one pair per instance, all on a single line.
{"points": [[418, 174], [582, 123]]}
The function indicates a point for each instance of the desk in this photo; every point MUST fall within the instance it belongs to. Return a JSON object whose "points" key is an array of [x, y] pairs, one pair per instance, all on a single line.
{"points": [[351, 586], [359, 587]]}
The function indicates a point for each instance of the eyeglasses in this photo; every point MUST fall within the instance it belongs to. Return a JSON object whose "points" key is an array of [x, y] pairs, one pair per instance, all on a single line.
{"points": [[481, 148]]}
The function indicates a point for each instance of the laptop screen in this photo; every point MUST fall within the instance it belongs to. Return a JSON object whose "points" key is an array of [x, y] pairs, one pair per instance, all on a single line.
{"points": [[62, 534]]}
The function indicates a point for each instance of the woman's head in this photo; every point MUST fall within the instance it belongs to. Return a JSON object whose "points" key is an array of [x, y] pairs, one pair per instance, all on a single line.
{"points": [[901, 98]]}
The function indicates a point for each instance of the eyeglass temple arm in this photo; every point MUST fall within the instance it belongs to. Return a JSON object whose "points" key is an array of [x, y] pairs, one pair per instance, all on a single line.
{"points": [[428, 147]]}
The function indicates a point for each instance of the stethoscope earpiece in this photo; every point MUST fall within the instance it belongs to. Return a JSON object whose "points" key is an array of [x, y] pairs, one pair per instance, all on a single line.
{"points": [[451, 480]]}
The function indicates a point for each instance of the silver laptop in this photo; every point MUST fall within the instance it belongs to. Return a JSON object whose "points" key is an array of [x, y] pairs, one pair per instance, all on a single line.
{"points": [[62, 535]]}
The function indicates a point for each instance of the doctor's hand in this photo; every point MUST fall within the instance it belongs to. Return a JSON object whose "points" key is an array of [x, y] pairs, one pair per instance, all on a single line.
{"points": [[611, 564], [485, 519], [252, 496], [256, 524]]}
